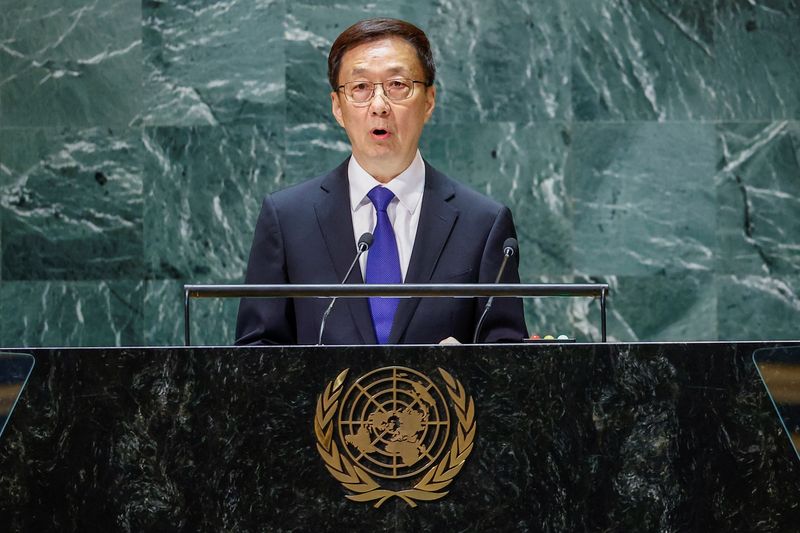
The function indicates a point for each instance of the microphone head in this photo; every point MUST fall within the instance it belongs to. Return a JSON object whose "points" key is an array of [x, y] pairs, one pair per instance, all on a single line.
{"points": [[510, 247], [364, 242]]}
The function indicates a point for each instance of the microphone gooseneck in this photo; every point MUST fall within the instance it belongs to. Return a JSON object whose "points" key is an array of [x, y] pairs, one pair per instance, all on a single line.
{"points": [[510, 249], [364, 242]]}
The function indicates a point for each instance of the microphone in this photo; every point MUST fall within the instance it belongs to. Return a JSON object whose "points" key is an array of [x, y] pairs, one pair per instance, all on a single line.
{"points": [[364, 242], [510, 248]]}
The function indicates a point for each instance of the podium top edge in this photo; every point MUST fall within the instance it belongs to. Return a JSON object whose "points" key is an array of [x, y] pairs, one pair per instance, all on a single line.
{"points": [[407, 290]]}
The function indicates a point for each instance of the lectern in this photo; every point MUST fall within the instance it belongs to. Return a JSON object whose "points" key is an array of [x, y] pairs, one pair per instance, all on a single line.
{"points": [[612, 437]]}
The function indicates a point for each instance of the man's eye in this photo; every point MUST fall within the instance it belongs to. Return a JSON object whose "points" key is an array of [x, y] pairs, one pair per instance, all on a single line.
{"points": [[361, 87], [395, 84]]}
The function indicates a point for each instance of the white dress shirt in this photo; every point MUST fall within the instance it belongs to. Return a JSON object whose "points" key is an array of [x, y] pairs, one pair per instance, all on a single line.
{"points": [[403, 210]]}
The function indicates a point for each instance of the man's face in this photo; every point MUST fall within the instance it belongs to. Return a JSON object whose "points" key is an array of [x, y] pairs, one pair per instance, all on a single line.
{"points": [[384, 134]]}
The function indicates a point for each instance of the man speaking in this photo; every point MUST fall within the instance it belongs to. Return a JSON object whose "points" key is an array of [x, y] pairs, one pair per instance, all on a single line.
{"points": [[426, 227]]}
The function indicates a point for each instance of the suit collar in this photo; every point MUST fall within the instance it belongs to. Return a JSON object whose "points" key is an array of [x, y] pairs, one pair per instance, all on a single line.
{"points": [[336, 226], [335, 221], [436, 222]]}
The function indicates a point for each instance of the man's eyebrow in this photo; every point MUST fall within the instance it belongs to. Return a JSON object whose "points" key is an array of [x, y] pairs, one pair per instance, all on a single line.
{"points": [[393, 70]]}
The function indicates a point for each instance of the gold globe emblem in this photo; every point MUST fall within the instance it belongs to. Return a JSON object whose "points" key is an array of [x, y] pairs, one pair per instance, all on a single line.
{"points": [[394, 423]]}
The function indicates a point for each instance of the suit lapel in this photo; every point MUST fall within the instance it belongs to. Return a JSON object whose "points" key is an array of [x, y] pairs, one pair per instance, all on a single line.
{"points": [[436, 222], [336, 225]]}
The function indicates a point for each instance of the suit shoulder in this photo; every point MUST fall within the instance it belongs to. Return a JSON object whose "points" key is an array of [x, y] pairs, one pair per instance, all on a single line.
{"points": [[299, 192], [305, 192]]}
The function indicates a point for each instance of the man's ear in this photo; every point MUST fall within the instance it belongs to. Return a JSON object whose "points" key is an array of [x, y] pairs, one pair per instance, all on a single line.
{"points": [[430, 101], [336, 108]]}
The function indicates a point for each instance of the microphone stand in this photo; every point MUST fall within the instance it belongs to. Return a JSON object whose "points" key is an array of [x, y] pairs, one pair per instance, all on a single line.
{"points": [[508, 250], [363, 245]]}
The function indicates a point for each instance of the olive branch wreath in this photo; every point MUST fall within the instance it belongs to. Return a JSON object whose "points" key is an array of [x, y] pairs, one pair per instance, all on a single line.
{"points": [[354, 478]]}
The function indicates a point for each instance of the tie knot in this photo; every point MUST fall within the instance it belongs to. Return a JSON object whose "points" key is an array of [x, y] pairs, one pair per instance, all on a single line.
{"points": [[380, 197]]}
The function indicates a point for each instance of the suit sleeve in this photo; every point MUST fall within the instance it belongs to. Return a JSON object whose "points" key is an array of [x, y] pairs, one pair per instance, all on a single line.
{"points": [[506, 319], [266, 320]]}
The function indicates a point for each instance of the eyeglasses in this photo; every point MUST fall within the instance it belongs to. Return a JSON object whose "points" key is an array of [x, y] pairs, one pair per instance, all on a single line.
{"points": [[395, 89]]}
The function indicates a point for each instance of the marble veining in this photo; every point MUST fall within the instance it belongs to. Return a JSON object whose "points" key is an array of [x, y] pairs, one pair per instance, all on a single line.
{"points": [[650, 145], [71, 204], [202, 195], [759, 68], [212, 63], [643, 60], [71, 313], [753, 307], [486, 75], [70, 64], [640, 207], [759, 198]]}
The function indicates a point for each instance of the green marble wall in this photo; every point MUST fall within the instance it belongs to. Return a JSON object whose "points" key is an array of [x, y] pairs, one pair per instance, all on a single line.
{"points": [[651, 145]]}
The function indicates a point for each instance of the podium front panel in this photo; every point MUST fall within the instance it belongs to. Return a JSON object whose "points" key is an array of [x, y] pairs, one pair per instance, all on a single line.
{"points": [[636, 437]]}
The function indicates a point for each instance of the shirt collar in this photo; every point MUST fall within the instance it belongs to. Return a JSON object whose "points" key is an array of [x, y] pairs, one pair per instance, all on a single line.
{"points": [[407, 186]]}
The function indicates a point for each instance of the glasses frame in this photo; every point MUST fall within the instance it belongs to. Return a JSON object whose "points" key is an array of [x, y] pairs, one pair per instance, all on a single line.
{"points": [[375, 84]]}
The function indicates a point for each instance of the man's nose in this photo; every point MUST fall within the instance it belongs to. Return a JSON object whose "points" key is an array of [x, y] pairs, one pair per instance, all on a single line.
{"points": [[379, 104]]}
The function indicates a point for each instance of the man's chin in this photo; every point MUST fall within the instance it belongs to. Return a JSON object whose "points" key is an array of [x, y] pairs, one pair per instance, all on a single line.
{"points": [[382, 163], [382, 153], [382, 147]]}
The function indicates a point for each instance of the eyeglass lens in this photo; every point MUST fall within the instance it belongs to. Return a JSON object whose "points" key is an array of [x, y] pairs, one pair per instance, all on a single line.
{"points": [[363, 91]]}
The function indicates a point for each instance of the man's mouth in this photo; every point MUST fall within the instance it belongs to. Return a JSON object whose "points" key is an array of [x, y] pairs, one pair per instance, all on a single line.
{"points": [[379, 133]]}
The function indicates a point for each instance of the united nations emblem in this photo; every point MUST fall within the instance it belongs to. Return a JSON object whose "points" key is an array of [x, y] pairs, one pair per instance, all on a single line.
{"points": [[394, 424]]}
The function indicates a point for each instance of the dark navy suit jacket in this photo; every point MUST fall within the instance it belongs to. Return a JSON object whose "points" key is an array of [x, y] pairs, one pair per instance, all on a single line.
{"points": [[304, 234]]}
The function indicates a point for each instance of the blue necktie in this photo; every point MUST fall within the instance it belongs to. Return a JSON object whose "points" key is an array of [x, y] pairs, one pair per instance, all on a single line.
{"points": [[383, 264]]}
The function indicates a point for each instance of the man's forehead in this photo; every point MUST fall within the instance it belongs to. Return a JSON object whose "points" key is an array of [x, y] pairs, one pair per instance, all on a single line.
{"points": [[385, 56]]}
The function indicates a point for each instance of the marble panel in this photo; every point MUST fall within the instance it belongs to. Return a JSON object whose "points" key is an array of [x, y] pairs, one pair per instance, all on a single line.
{"points": [[71, 204], [639, 309], [212, 62], [643, 197], [72, 63], [506, 60], [643, 60], [203, 194], [314, 149], [758, 307], [310, 28], [521, 167], [756, 44], [758, 198], [73, 313], [676, 307], [212, 321]]}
